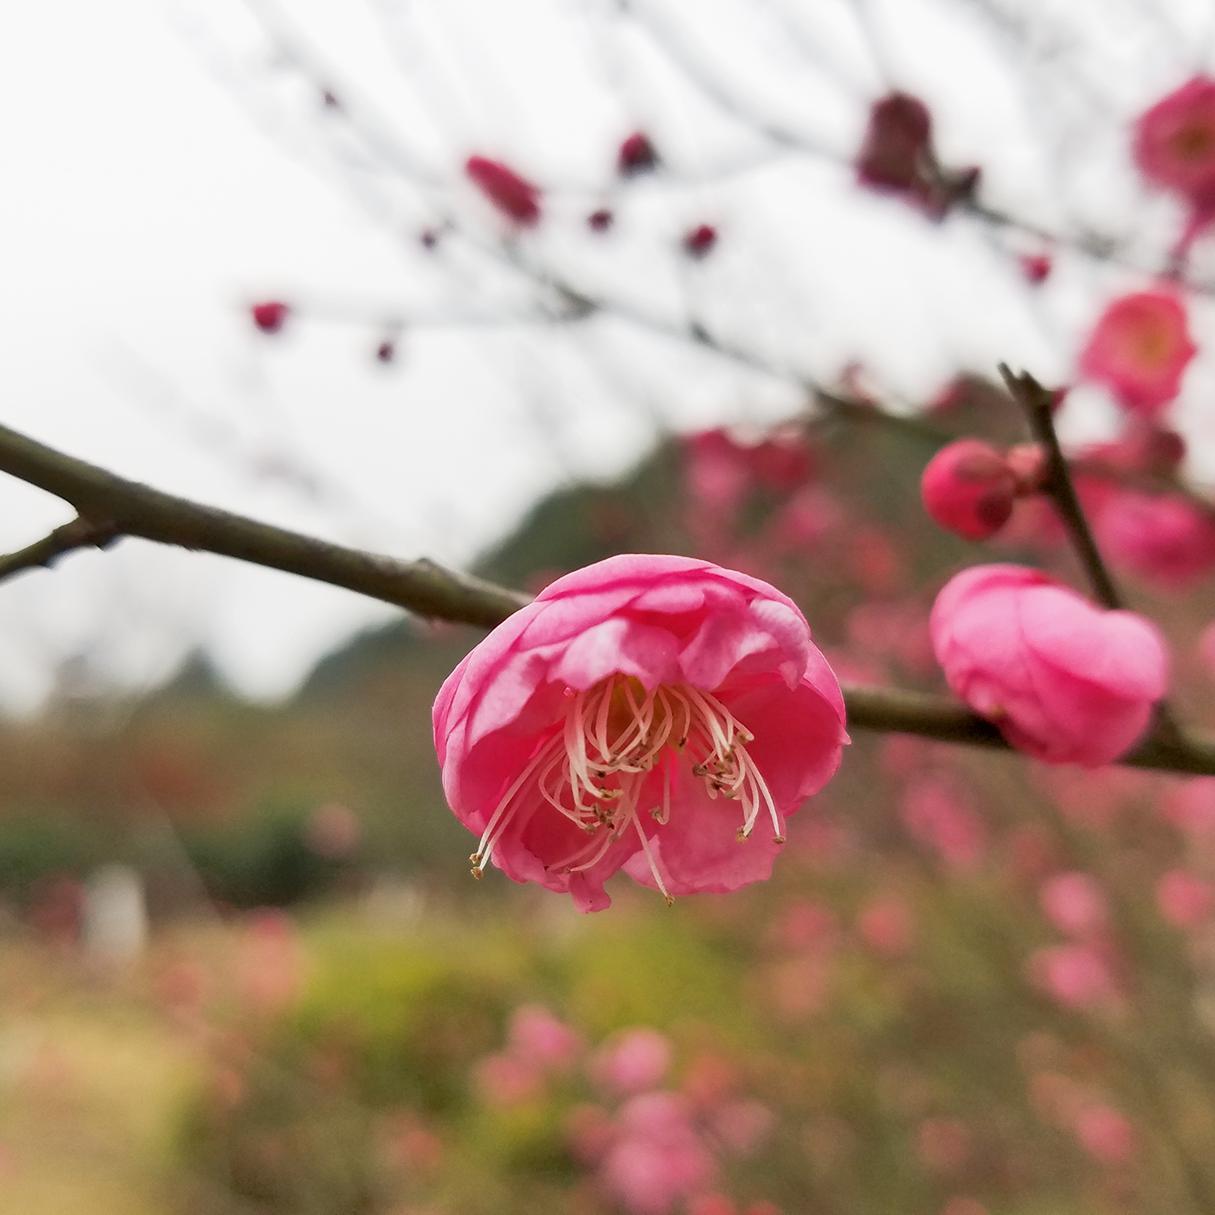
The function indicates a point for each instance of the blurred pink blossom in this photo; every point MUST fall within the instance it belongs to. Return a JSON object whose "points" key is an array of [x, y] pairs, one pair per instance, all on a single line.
{"points": [[1075, 904], [269, 962], [658, 1159], [1036, 267], [1077, 976], [742, 1125], [504, 1079], [1164, 538], [1185, 899], [1174, 143], [1139, 349], [632, 1061], [1062, 679], [1105, 1134], [943, 1144], [541, 1039], [886, 925], [804, 924], [1190, 807], [588, 1128], [939, 816], [598, 727]]}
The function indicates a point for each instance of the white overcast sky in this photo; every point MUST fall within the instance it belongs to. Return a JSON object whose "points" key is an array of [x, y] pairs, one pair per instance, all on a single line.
{"points": [[163, 168]]}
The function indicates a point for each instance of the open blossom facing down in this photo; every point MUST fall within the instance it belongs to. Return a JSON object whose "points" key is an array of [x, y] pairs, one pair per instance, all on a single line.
{"points": [[1139, 349], [1064, 680], [657, 714]]}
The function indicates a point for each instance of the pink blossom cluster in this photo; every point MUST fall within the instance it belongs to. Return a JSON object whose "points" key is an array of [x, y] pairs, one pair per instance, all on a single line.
{"points": [[650, 1144]]}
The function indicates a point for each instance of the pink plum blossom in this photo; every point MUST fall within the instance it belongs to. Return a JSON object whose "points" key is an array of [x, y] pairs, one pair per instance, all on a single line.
{"points": [[1105, 1134], [939, 816], [1164, 538], [657, 714], [1174, 143], [658, 1158], [968, 488], [505, 1079], [1190, 807], [886, 925], [1064, 680], [1077, 976], [1140, 348], [632, 1061], [1185, 899], [1075, 904], [742, 1125]]}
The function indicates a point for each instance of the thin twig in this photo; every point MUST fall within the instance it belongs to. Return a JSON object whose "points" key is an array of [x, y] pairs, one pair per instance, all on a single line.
{"points": [[431, 591], [79, 533], [1038, 405], [133, 509]]}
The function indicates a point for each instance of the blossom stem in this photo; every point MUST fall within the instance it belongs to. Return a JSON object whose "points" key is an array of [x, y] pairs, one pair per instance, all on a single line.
{"points": [[1038, 405]]}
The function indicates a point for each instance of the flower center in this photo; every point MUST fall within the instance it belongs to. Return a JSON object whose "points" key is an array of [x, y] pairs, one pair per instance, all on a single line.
{"points": [[1194, 141], [615, 758]]}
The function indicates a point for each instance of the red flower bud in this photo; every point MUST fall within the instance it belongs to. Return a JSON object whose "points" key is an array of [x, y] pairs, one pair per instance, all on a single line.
{"points": [[1028, 464], [601, 220], [636, 155], [270, 315], [968, 488], [1036, 267], [514, 196], [700, 240]]}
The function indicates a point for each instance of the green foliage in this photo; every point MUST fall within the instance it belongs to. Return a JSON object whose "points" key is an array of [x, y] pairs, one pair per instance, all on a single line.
{"points": [[260, 859]]}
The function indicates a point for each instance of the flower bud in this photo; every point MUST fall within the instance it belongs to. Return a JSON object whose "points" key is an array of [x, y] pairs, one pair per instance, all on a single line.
{"points": [[700, 240], [968, 488], [636, 155], [514, 196]]}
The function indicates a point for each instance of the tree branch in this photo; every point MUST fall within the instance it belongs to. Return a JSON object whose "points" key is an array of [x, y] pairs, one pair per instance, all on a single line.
{"points": [[133, 509]]}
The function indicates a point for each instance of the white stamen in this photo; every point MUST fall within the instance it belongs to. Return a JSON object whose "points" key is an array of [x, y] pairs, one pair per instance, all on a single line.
{"points": [[596, 770]]}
